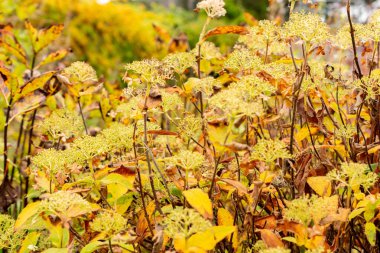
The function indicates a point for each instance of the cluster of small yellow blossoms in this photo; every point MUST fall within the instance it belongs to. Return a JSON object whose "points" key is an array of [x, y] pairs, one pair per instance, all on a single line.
{"points": [[354, 175], [10, 239], [189, 126], [205, 85], [179, 62], [65, 204], [277, 148], [311, 209], [242, 60], [307, 27], [187, 160], [370, 84], [171, 101], [64, 124], [108, 222], [147, 73], [80, 73], [184, 222]]}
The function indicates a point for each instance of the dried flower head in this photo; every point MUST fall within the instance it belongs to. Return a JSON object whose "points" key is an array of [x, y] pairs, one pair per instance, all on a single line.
{"points": [[242, 60], [354, 175], [213, 8], [171, 101], [179, 62], [308, 27], [80, 73], [184, 222], [108, 222], [269, 150], [275, 250], [63, 124], [306, 210]]}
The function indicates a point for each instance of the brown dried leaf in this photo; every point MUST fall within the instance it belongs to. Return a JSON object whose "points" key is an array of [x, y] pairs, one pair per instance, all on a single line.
{"points": [[228, 29]]}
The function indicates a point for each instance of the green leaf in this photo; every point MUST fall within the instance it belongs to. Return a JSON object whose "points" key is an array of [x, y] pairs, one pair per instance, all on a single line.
{"points": [[355, 213], [59, 236], [370, 232]]}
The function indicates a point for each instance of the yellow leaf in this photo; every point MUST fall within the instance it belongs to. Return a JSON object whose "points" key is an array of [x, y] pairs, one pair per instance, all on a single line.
{"points": [[225, 218], [207, 240], [304, 133], [321, 185], [52, 57], [374, 149], [42, 38], [199, 201], [27, 213]]}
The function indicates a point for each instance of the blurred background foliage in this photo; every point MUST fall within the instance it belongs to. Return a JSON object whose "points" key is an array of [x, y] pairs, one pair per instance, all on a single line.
{"points": [[108, 35]]}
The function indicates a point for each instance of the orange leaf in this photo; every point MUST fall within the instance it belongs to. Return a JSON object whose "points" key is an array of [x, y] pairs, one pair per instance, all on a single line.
{"points": [[229, 29], [270, 239]]}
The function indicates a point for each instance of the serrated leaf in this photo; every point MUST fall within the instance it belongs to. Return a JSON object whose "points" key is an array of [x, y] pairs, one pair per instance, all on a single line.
{"points": [[225, 218], [42, 38], [34, 84], [321, 185], [370, 232], [200, 201], [52, 57]]}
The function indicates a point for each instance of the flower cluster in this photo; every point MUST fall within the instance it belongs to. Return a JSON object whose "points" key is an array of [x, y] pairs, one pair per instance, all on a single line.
{"points": [[63, 124], [354, 175], [269, 150], [179, 62], [308, 27], [311, 209], [184, 222], [242, 60], [108, 222], [80, 73], [148, 72], [213, 8], [187, 160]]}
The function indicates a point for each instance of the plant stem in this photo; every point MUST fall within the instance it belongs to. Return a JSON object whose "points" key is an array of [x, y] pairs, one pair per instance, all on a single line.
{"points": [[81, 113]]}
